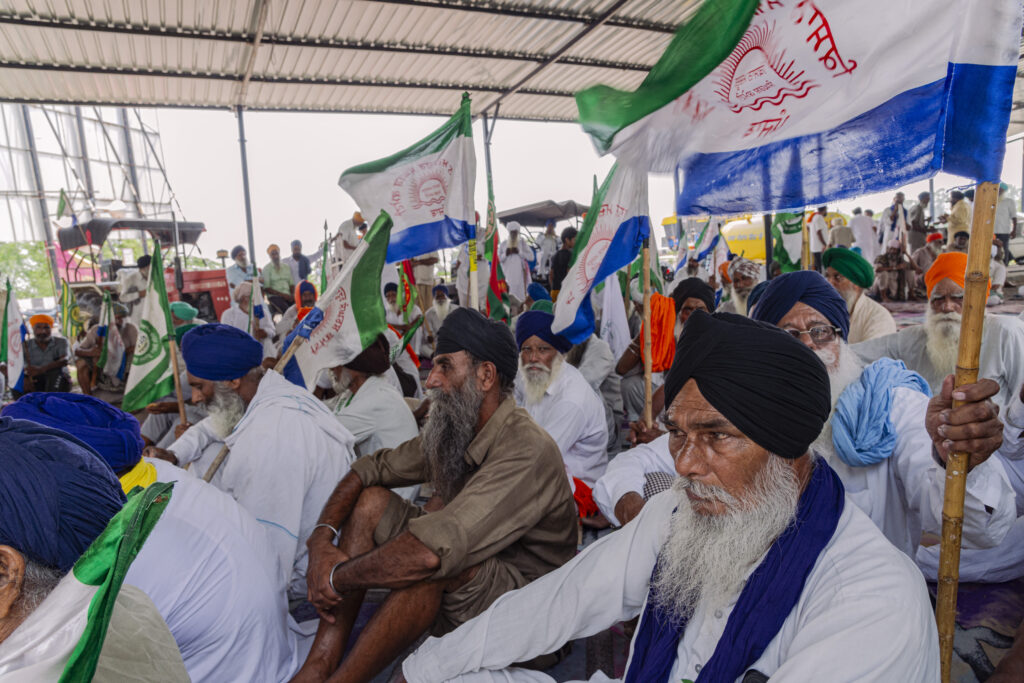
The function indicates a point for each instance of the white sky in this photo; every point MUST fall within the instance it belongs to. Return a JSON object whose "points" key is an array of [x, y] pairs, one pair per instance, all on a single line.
{"points": [[295, 160]]}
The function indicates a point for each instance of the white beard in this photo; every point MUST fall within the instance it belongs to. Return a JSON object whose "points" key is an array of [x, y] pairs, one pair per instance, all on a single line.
{"points": [[706, 558], [443, 309], [393, 307], [739, 300], [537, 377], [226, 410], [942, 331], [844, 368], [340, 384]]}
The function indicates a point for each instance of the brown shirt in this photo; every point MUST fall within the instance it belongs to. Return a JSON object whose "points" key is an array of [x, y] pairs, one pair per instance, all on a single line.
{"points": [[516, 503]]}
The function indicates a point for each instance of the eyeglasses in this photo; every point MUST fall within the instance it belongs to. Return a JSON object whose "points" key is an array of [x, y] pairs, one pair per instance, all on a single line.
{"points": [[819, 334]]}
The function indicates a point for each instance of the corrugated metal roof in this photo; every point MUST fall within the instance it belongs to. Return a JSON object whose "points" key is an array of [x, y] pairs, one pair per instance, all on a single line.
{"points": [[394, 56]]}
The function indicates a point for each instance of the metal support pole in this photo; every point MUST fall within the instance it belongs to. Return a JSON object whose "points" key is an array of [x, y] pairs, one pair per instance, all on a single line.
{"points": [[768, 246], [931, 200], [133, 173], [245, 182], [83, 150], [51, 246]]}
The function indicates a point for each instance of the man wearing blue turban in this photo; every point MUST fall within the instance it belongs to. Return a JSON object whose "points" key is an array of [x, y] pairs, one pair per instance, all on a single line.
{"points": [[559, 399], [286, 449], [879, 438], [56, 498], [202, 532]]}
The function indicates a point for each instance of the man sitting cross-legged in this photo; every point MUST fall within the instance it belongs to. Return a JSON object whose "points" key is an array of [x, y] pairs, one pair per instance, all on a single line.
{"points": [[502, 514], [754, 566]]}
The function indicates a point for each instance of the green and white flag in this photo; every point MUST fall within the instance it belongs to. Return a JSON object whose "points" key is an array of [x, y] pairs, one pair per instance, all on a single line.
{"points": [[151, 375], [349, 314], [12, 339]]}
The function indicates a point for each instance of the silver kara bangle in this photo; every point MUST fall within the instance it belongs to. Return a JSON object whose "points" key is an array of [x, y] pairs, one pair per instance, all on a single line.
{"points": [[328, 526], [330, 579]]}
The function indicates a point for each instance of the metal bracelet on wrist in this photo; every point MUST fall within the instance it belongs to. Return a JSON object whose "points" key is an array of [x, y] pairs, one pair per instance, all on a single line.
{"points": [[334, 531], [330, 578]]}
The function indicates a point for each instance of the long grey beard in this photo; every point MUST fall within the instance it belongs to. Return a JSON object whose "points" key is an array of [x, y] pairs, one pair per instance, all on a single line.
{"points": [[942, 331], [739, 300], [844, 368], [443, 309], [706, 558], [450, 429], [226, 410], [537, 378]]}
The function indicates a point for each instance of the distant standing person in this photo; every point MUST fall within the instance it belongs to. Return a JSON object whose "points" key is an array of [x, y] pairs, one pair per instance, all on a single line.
{"points": [[423, 267], [560, 261], [819, 236], [298, 262], [238, 272], [864, 235], [1006, 220], [917, 222], [840, 235], [548, 246]]}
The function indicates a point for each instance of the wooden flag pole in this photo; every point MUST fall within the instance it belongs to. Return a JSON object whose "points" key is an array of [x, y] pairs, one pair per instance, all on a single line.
{"points": [[217, 462], [474, 297], [972, 320], [173, 346], [808, 262], [648, 362]]}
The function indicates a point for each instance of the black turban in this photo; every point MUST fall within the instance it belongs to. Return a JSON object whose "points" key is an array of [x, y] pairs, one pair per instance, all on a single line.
{"points": [[769, 385], [693, 288], [375, 358], [467, 330]]}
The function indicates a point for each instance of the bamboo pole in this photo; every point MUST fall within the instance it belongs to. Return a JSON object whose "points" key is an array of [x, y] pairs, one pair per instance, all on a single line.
{"points": [[217, 462], [648, 361], [173, 346], [975, 294], [474, 297], [808, 261]]}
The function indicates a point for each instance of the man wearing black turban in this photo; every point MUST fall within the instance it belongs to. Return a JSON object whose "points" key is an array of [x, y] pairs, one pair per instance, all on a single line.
{"points": [[754, 555], [502, 513]]}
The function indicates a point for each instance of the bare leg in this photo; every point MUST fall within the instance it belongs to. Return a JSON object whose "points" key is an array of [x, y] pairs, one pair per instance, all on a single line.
{"points": [[356, 539]]}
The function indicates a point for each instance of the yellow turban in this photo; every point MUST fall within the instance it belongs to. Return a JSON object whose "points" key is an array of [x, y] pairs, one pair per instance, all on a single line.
{"points": [[272, 247]]}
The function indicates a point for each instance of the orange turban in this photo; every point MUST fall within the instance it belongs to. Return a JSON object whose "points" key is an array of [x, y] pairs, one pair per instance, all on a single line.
{"points": [[723, 270], [40, 318], [952, 265], [663, 331], [302, 313]]}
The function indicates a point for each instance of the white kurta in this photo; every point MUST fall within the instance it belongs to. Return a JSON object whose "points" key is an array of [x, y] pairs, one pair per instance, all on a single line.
{"points": [[548, 245], [627, 473], [864, 236], [573, 414], [1002, 354], [377, 416], [239, 319], [516, 268], [597, 363], [864, 612], [431, 324], [198, 447], [288, 453], [483, 273], [869, 320], [209, 568]]}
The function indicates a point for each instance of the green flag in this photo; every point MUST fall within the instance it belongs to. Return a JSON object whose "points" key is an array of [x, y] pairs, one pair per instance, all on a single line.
{"points": [[151, 376], [788, 238], [62, 204], [323, 262]]}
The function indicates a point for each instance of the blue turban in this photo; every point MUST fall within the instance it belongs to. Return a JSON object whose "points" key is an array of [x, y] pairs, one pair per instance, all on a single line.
{"points": [[390, 287], [236, 250], [538, 324], [111, 432], [56, 494], [756, 293], [439, 288], [536, 291], [802, 286], [218, 352]]}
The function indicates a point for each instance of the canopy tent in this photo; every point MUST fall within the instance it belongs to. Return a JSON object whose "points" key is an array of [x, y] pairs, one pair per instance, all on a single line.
{"points": [[95, 232], [537, 215]]}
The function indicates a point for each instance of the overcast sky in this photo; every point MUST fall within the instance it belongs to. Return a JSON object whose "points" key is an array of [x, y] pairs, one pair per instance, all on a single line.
{"points": [[295, 160]]}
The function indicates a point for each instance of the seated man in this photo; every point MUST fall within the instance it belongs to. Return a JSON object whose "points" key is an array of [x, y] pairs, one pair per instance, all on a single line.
{"points": [[46, 358], [559, 399], [119, 352], [753, 562], [923, 258], [931, 349], [256, 322], [434, 318], [851, 274], [880, 437], [894, 273], [744, 274], [286, 448], [206, 557], [501, 517], [48, 629], [305, 297], [277, 280], [594, 359]]}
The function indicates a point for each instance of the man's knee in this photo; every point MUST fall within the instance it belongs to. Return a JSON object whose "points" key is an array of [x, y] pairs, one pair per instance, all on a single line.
{"points": [[372, 503]]}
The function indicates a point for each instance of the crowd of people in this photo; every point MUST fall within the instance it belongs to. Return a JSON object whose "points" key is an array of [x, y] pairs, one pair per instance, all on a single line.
{"points": [[767, 524]]}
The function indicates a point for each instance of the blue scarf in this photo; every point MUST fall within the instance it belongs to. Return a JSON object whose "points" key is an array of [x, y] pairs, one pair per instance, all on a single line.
{"points": [[862, 430], [765, 602]]}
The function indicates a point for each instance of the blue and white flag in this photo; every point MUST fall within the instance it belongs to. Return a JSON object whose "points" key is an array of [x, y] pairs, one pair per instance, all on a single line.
{"points": [[427, 189], [825, 99], [614, 230]]}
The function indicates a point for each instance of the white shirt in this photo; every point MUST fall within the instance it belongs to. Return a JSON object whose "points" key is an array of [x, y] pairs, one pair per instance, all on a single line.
{"points": [[346, 233], [198, 447], [869, 320], [1006, 211], [239, 319], [425, 274], [573, 415], [236, 276], [548, 245], [288, 453], [1002, 354], [597, 363], [516, 267], [864, 236], [818, 225], [209, 568], [627, 473], [377, 416], [864, 612], [431, 325]]}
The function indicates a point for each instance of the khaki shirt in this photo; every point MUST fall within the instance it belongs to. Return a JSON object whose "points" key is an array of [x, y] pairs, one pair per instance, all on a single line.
{"points": [[516, 504]]}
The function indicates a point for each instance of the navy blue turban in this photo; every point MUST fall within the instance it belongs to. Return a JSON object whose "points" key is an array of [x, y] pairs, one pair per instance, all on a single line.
{"points": [[756, 293], [693, 288], [439, 288], [766, 383], [111, 432], [802, 286], [218, 352], [485, 340], [236, 250], [536, 291], [538, 324], [390, 287], [56, 494]]}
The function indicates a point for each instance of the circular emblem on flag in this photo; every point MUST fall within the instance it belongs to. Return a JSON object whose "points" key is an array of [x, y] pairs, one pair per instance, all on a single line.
{"points": [[147, 346], [15, 342], [593, 257]]}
